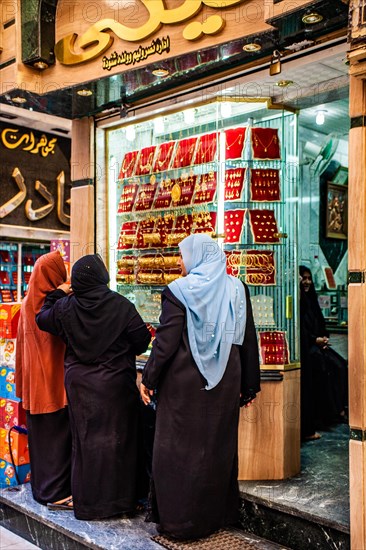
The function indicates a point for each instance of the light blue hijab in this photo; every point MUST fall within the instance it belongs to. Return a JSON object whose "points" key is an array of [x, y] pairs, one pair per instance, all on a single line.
{"points": [[215, 303]]}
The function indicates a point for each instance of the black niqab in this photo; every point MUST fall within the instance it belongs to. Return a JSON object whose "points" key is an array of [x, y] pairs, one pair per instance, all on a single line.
{"points": [[94, 316], [310, 312]]}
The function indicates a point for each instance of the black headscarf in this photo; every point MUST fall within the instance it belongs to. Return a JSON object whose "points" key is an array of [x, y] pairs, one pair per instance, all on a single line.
{"points": [[311, 316], [94, 316]]}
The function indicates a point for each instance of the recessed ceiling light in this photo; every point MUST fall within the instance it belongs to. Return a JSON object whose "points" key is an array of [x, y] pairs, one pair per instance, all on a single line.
{"points": [[84, 92], [40, 65], [284, 83], [312, 18], [160, 72], [18, 99], [252, 47]]}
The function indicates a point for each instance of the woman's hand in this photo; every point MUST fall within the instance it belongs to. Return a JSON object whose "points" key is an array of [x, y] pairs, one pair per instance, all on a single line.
{"points": [[65, 287], [322, 341], [145, 394]]}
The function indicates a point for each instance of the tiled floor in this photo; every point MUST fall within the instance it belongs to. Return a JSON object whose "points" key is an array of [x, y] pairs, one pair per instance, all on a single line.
{"points": [[10, 541]]}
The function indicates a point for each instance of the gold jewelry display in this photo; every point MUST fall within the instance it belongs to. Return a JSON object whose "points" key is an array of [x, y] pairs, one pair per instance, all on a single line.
{"points": [[263, 310], [125, 263], [205, 154], [151, 238], [176, 192], [173, 239], [155, 278]]}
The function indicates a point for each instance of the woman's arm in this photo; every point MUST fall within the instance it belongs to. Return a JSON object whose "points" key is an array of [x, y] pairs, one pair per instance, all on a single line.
{"points": [[167, 339], [138, 334], [249, 355], [46, 318]]}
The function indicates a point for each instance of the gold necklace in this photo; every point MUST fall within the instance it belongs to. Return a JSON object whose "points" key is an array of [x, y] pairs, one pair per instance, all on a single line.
{"points": [[258, 141], [146, 166], [159, 162], [126, 168], [207, 152], [238, 140]]}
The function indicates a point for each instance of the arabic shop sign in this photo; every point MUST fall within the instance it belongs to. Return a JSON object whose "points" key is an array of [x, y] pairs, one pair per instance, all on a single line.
{"points": [[131, 58], [151, 15], [34, 172]]}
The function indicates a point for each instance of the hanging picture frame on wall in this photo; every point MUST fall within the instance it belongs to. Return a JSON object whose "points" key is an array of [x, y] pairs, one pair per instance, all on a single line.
{"points": [[341, 176], [336, 211]]}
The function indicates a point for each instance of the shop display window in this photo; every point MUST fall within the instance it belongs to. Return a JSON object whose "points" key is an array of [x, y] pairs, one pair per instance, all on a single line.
{"points": [[230, 177], [14, 275]]}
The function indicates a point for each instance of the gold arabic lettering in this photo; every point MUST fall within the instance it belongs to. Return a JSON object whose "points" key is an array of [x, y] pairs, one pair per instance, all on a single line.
{"points": [[96, 40], [15, 201], [11, 140], [64, 218], [43, 211], [37, 213]]}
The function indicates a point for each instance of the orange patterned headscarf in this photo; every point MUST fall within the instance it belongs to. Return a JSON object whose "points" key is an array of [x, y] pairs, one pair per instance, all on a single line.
{"points": [[39, 367]]}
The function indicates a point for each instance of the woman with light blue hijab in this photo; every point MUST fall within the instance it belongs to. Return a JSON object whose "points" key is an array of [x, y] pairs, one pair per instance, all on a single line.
{"points": [[204, 365]]}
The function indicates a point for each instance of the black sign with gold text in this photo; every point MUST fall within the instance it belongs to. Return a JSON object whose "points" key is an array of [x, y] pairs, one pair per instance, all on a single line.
{"points": [[35, 179]]}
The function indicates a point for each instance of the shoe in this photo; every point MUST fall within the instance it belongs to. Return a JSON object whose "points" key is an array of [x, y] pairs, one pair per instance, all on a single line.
{"points": [[63, 504], [312, 437]]}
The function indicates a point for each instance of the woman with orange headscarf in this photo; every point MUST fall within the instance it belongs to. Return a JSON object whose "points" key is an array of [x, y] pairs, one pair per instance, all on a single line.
{"points": [[39, 377]]}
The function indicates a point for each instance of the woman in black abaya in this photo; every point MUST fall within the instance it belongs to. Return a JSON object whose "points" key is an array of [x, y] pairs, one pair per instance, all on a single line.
{"points": [[204, 364], [324, 373], [103, 334]]}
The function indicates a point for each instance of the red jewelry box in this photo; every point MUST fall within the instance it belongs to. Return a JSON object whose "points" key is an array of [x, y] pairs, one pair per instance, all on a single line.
{"points": [[234, 225], [235, 139], [128, 164], [206, 148], [205, 188], [145, 161], [184, 152], [265, 144], [264, 226], [234, 183], [164, 156], [128, 197], [273, 348]]}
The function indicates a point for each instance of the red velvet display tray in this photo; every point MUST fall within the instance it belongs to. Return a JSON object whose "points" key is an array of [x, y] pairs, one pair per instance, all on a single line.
{"points": [[265, 185], [234, 225], [234, 183], [273, 348], [265, 144], [206, 188], [264, 226], [183, 189], [234, 142], [206, 149], [145, 196], [163, 197], [128, 164], [184, 152], [145, 161], [163, 156], [128, 197]]}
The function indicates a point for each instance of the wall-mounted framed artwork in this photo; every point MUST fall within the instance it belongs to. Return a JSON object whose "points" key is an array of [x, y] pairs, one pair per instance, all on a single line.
{"points": [[336, 213]]}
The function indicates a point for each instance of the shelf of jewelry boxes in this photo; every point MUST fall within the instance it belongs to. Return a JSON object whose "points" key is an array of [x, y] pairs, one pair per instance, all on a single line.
{"points": [[197, 189]]}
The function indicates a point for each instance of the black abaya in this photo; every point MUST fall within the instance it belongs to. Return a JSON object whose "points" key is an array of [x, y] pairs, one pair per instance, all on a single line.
{"points": [[324, 372], [103, 407], [49, 439], [195, 461]]}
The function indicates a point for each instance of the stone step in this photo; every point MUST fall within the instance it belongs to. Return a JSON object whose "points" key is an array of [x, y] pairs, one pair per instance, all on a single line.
{"points": [[59, 530]]}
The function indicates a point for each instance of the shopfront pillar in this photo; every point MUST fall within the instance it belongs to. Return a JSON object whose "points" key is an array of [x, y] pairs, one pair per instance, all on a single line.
{"points": [[82, 230], [357, 310]]}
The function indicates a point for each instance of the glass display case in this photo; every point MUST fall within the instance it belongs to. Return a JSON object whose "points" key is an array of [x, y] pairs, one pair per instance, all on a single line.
{"points": [[16, 265], [227, 168]]}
